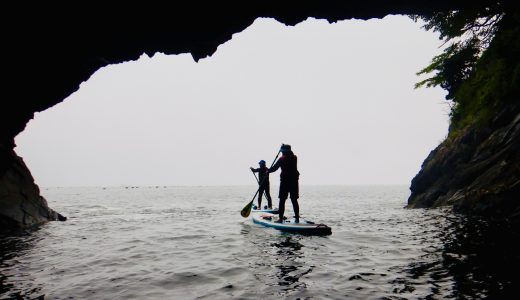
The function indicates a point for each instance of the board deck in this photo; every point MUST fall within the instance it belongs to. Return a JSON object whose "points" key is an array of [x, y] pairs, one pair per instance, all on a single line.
{"points": [[266, 210], [303, 227]]}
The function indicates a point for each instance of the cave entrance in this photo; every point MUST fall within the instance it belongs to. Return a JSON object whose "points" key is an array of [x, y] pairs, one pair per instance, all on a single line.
{"points": [[342, 94]]}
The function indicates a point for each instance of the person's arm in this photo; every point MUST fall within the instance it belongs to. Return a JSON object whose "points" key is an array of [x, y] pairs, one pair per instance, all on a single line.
{"points": [[276, 166], [296, 164], [254, 170]]}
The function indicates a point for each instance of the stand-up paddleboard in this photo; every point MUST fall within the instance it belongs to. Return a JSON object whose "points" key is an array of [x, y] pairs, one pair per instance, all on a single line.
{"points": [[303, 227], [264, 210]]}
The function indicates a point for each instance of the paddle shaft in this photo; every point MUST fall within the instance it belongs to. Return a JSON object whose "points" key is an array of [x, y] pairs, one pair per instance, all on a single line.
{"points": [[265, 192], [260, 184], [247, 209]]}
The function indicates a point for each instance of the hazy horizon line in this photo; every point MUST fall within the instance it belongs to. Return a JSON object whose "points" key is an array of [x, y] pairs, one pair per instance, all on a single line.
{"points": [[218, 185]]}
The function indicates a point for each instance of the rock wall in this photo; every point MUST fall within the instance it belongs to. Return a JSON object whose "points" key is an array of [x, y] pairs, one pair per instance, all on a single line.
{"points": [[21, 204], [478, 172], [51, 48], [477, 168]]}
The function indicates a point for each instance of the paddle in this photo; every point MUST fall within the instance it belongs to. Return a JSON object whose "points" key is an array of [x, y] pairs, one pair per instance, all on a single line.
{"points": [[247, 209]]}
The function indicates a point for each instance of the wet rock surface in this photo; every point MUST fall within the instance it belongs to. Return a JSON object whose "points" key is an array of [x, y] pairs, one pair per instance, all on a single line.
{"points": [[478, 172], [21, 204]]}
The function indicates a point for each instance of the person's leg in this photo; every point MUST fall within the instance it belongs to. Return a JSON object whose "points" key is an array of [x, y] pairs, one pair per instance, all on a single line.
{"points": [[260, 194], [268, 196], [284, 193], [296, 209], [294, 199], [281, 209]]}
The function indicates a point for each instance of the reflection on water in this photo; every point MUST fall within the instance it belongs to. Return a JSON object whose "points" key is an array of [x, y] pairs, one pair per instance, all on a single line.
{"points": [[12, 247], [150, 244], [278, 261], [483, 256], [289, 251], [475, 259]]}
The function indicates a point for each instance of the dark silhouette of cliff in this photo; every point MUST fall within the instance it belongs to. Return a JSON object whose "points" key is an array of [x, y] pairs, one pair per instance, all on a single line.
{"points": [[49, 49], [477, 168]]}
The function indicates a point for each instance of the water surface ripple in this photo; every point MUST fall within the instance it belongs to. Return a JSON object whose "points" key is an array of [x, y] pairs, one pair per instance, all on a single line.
{"points": [[192, 243]]}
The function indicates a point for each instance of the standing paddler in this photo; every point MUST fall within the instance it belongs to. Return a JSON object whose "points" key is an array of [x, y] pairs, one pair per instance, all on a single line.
{"points": [[263, 181], [288, 181]]}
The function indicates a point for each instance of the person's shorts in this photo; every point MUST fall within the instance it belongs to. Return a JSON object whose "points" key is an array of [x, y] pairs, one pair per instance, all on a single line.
{"points": [[287, 188]]}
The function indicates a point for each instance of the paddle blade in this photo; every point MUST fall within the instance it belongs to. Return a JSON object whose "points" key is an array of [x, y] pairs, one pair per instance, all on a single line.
{"points": [[246, 210]]}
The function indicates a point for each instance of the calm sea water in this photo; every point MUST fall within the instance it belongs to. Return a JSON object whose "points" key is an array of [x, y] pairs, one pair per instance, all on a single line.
{"points": [[191, 242]]}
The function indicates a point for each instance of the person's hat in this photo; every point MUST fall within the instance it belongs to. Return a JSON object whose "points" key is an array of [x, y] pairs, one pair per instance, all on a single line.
{"points": [[262, 162], [285, 148]]}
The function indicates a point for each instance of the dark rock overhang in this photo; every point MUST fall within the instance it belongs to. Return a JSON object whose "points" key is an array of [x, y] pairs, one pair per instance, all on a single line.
{"points": [[50, 49]]}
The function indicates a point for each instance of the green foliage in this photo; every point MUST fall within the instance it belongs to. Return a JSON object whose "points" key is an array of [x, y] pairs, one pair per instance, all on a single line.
{"points": [[480, 67], [479, 22], [453, 66], [494, 85], [468, 33]]}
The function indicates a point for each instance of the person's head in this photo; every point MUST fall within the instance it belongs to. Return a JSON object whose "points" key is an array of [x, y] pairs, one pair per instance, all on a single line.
{"points": [[285, 149], [262, 163]]}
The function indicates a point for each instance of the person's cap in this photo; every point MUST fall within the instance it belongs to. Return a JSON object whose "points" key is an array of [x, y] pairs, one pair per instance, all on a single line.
{"points": [[262, 162], [285, 148]]}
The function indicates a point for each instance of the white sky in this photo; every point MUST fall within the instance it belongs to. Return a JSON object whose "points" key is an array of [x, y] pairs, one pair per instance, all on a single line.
{"points": [[341, 94]]}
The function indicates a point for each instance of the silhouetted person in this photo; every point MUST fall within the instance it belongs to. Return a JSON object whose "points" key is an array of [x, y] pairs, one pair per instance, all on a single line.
{"points": [[263, 178], [288, 181]]}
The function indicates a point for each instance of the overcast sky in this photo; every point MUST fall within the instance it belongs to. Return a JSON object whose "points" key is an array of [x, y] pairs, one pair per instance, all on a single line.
{"points": [[341, 94]]}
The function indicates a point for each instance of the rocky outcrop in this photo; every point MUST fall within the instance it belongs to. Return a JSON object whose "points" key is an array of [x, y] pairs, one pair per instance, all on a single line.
{"points": [[51, 48], [476, 172], [20, 199]]}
